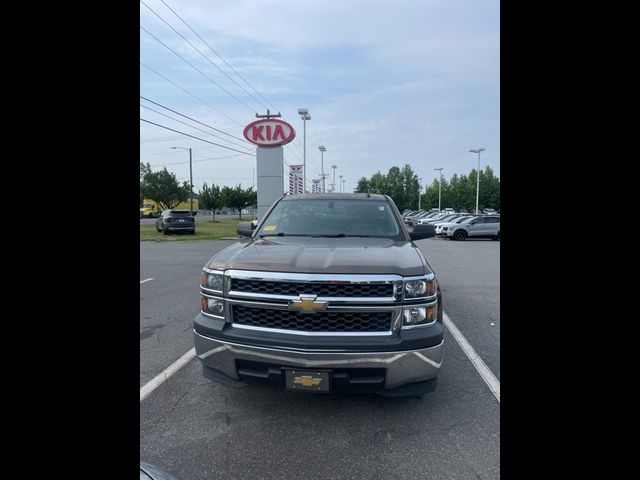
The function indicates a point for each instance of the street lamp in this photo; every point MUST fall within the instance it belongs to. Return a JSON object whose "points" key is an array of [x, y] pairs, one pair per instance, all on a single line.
{"points": [[304, 115], [439, 188], [322, 150], [343, 181], [190, 177], [340, 182], [333, 185], [419, 193], [477, 150]]}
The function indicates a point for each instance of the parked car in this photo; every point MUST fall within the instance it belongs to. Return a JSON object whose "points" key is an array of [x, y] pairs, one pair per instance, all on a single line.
{"points": [[176, 221], [153, 472], [489, 211], [434, 220], [487, 226], [442, 227]]}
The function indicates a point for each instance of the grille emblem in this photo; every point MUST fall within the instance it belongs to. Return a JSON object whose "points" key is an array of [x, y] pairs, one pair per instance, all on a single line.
{"points": [[308, 304]]}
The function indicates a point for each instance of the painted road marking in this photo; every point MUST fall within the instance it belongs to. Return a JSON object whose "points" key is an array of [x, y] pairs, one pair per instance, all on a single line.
{"points": [[487, 375], [147, 280], [166, 373]]}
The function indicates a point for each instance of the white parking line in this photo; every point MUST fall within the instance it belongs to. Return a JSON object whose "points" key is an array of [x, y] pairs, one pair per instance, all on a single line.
{"points": [[487, 375], [166, 373], [147, 280]]}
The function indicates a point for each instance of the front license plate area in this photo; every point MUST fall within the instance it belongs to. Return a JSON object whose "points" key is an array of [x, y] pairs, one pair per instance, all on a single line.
{"points": [[307, 380]]}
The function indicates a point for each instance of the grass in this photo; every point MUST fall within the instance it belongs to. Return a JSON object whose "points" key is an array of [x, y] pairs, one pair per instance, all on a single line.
{"points": [[205, 229]]}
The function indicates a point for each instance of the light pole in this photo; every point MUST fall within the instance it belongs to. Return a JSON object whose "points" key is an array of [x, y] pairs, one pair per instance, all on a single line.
{"points": [[343, 181], [190, 177], [333, 185], [439, 188], [322, 150], [340, 182], [477, 150], [304, 115], [420, 193]]}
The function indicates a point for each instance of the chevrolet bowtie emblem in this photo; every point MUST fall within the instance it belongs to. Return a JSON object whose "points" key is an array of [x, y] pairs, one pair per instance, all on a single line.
{"points": [[308, 304]]}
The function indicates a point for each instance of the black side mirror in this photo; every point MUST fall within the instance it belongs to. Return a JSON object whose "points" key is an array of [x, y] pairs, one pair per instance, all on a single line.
{"points": [[245, 229], [421, 231]]}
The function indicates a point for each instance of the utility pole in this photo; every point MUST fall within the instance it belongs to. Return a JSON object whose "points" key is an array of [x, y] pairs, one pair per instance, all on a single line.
{"points": [[304, 115], [191, 181], [439, 188], [333, 185], [340, 183], [322, 150], [477, 150]]}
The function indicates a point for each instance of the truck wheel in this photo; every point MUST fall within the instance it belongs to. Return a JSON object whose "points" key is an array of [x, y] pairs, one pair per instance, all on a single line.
{"points": [[460, 235], [165, 231], [497, 237]]}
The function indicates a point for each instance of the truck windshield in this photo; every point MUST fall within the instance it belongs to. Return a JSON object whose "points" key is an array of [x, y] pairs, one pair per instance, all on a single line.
{"points": [[332, 218]]}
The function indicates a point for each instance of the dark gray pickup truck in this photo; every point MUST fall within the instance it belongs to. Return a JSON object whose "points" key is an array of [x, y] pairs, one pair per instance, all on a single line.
{"points": [[328, 293]]}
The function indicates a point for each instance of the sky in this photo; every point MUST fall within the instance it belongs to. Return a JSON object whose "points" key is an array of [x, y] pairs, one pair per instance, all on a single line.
{"points": [[386, 83]]}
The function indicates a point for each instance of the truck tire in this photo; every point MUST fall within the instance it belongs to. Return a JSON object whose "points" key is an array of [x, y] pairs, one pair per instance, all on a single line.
{"points": [[497, 237], [460, 235], [165, 231]]}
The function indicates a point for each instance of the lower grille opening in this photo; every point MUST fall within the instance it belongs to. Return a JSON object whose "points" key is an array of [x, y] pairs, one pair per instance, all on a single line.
{"points": [[327, 321], [342, 379]]}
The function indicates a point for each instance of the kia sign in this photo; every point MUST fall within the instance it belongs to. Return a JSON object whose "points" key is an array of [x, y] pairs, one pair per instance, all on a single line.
{"points": [[269, 132]]}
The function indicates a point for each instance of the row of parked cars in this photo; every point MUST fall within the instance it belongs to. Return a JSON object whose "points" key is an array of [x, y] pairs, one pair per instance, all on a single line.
{"points": [[458, 225]]}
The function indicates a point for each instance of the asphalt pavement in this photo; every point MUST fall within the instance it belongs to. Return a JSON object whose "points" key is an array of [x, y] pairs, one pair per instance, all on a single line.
{"points": [[198, 429]]}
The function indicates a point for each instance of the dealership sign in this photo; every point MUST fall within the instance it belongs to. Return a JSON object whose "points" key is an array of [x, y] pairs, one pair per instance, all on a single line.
{"points": [[269, 132]]}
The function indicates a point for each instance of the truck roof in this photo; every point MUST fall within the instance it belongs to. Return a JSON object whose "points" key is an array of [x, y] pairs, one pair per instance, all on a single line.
{"points": [[334, 196]]}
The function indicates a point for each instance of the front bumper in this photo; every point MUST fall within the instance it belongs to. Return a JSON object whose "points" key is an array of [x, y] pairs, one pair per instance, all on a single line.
{"points": [[220, 360]]}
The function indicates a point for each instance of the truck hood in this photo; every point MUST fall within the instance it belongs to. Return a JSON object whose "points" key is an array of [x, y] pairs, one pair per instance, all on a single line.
{"points": [[323, 255]]}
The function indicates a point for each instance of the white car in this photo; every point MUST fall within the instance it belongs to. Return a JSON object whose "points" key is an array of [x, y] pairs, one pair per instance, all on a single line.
{"points": [[440, 225]]}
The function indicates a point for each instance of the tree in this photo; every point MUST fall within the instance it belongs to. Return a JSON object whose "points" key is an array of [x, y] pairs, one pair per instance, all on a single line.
{"points": [[211, 198], [144, 169], [238, 198], [363, 185], [378, 183], [163, 188]]}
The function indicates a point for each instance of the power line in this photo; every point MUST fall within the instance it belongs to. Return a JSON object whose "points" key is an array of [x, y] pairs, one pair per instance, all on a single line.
{"points": [[194, 161], [220, 56], [191, 94], [197, 138], [195, 68], [207, 58], [184, 123], [193, 119], [191, 126]]}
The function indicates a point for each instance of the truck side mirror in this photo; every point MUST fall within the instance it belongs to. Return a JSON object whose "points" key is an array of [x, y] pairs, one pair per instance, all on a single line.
{"points": [[245, 229]]}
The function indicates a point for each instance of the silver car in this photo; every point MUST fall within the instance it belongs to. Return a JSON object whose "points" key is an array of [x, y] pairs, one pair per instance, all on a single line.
{"points": [[484, 226]]}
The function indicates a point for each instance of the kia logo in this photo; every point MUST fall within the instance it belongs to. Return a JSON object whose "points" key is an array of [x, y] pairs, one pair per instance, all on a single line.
{"points": [[269, 132]]}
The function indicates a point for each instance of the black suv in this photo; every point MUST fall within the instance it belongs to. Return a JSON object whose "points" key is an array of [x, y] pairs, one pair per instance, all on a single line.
{"points": [[176, 221]]}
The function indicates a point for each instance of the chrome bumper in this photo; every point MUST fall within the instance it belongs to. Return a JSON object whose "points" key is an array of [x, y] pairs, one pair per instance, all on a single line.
{"points": [[402, 367]]}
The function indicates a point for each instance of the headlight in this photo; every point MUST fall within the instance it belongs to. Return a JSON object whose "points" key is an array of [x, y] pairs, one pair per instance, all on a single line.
{"points": [[420, 288], [213, 306], [415, 315], [212, 281]]}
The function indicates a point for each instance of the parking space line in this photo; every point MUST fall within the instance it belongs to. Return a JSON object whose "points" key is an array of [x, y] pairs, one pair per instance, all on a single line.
{"points": [[487, 375], [163, 376], [147, 280]]}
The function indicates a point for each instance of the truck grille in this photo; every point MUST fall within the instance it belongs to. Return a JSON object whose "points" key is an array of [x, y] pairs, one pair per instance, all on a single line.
{"points": [[326, 321], [320, 289]]}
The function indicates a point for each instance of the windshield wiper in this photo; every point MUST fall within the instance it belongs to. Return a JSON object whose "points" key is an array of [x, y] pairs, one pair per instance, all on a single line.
{"points": [[284, 234]]}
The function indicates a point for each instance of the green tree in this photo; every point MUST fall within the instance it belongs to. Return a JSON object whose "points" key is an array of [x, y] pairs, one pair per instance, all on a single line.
{"points": [[163, 188], [144, 169], [211, 198], [411, 186], [378, 183], [239, 198], [363, 185]]}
